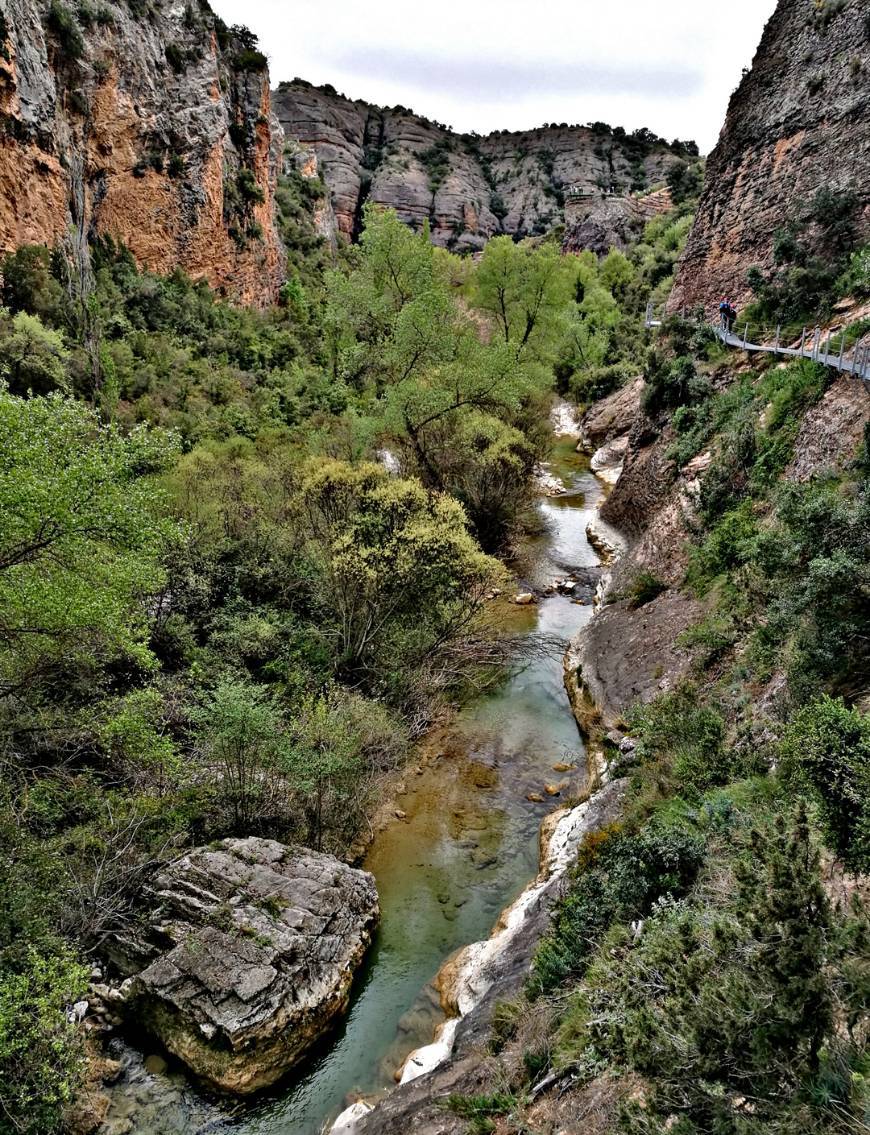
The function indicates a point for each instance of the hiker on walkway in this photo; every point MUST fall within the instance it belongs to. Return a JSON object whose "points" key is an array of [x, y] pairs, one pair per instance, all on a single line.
{"points": [[732, 316], [724, 311]]}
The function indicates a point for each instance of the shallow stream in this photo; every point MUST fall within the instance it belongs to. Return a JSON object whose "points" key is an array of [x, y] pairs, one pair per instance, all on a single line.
{"points": [[467, 846]]}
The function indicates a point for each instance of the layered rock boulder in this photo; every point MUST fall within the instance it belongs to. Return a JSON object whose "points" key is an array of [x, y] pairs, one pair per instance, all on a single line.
{"points": [[257, 945]]}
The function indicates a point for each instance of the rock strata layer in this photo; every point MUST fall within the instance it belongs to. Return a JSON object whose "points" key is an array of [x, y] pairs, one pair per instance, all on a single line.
{"points": [[469, 188], [151, 124], [257, 947]]}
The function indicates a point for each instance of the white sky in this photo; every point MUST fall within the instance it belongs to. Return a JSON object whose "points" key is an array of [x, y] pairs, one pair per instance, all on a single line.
{"points": [[489, 64]]}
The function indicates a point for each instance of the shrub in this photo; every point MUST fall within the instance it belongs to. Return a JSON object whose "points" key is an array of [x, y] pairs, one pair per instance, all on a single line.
{"points": [[436, 159], [250, 59], [626, 875], [29, 284], [712, 1006], [731, 542], [497, 206], [248, 188], [856, 280], [683, 742], [40, 1052], [238, 135], [673, 384], [826, 749], [62, 25], [586, 386], [176, 57], [480, 1109], [643, 588], [684, 182]]}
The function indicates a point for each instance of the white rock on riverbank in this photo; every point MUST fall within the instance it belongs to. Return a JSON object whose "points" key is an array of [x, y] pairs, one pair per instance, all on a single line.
{"points": [[565, 420]]}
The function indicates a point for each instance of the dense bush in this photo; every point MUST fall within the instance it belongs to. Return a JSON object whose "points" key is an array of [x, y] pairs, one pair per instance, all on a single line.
{"points": [[826, 749], [717, 1007], [63, 26], [811, 254], [40, 1055], [672, 384], [621, 878]]}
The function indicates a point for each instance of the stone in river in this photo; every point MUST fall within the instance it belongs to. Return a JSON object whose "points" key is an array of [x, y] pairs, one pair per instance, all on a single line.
{"points": [[535, 798], [258, 947], [560, 766], [524, 599], [555, 789]]}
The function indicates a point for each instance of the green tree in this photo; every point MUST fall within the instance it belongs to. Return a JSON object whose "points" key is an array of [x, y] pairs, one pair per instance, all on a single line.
{"points": [[29, 284], [242, 740], [341, 744], [525, 289], [324, 766], [32, 357], [79, 547], [393, 567]]}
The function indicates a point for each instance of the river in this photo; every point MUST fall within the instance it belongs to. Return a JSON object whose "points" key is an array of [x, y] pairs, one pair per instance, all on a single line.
{"points": [[467, 846]]}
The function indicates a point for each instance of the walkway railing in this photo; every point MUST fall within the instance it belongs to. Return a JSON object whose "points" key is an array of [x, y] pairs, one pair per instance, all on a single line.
{"points": [[831, 351]]}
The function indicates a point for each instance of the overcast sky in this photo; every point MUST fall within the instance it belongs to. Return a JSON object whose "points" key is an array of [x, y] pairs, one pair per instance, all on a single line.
{"points": [[485, 64]]}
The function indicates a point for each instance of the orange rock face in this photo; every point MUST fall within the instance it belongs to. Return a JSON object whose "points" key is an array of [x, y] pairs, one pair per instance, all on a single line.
{"points": [[151, 154]]}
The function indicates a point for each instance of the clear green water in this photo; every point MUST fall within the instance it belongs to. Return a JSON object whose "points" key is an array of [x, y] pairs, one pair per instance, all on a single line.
{"points": [[468, 846]]}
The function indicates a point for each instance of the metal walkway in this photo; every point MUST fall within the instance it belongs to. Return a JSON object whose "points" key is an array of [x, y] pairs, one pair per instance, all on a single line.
{"points": [[856, 361]]}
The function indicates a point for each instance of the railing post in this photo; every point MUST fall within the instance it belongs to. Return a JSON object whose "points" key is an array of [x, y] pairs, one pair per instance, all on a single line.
{"points": [[803, 341], [776, 346], [745, 336], [817, 339], [842, 350]]}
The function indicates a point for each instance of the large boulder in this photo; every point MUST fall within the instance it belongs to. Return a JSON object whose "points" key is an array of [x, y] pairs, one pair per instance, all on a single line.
{"points": [[259, 946]]}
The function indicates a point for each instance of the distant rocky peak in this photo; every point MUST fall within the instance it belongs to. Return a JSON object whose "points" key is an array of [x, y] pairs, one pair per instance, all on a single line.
{"points": [[468, 187]]}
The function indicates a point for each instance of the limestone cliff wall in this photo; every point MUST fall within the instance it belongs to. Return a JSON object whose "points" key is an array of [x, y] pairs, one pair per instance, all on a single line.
{"points": [[799, 121], [150, 122], [468, 188]]}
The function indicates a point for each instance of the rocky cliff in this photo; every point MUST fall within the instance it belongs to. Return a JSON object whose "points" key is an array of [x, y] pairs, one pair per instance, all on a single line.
{"points": [[467, 187], [147, 121], [796, 124]]}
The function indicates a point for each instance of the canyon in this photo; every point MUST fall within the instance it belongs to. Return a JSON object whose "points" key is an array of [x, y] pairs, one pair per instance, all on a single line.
{"points": [[154, 127]]}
